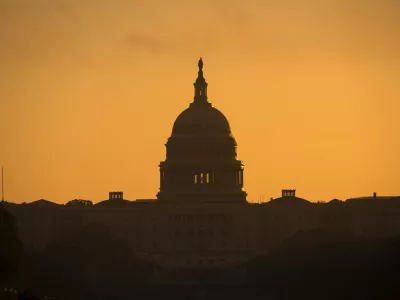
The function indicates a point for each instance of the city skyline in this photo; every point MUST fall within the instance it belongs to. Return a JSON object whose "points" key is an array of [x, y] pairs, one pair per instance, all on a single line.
{"points": [[312, 101]]}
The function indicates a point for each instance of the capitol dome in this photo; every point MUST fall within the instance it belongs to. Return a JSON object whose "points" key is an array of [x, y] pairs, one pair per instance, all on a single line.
{"points": [[199, 119], [201, 160]]}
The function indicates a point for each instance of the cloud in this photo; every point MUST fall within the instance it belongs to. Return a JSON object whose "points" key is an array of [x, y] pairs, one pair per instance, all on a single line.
{"points": [[358, 31], [308, 30]]}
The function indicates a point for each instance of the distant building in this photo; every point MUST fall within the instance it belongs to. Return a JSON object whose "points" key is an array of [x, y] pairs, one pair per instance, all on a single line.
{"points": [[201, 218]]}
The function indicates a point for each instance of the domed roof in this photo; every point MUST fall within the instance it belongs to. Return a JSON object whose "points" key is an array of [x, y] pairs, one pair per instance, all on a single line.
{"points": [[289, 200], [201, 118]]}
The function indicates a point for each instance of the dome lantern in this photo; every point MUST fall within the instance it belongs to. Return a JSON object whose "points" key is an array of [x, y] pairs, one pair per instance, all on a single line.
{"points": [[200, 86]]}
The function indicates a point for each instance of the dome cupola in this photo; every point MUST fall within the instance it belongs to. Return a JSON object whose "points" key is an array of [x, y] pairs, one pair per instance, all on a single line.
{"points": [[201, 117]]}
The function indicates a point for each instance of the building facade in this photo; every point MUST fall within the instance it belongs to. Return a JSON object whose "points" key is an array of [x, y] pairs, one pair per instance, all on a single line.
{"points": [[201, 218]]}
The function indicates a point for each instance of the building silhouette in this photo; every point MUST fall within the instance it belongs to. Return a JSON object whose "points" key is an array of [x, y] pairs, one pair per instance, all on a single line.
{"points": [[201, 218], [201, 164]]}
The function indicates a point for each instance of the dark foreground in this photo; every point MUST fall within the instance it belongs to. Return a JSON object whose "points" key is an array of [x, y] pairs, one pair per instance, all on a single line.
{"points": [[96, 265], [226, 292]]}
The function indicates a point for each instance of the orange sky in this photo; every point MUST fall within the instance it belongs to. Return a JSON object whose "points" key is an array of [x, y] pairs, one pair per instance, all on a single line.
{"points": [[89, 91]]}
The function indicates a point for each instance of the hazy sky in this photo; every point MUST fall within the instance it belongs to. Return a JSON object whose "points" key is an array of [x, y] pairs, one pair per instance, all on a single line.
{"points": [[89, 91]]}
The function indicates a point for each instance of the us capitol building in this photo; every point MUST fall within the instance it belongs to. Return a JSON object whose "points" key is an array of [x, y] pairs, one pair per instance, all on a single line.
{"points": [[201, 218]]}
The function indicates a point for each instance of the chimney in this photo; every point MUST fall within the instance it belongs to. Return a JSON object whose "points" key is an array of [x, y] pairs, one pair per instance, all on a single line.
{"points": [[115, 195], [288, 193]]}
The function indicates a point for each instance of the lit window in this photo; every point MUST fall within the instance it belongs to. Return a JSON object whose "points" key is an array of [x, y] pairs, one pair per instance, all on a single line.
{"points": [[239, 177], [204, 178]]}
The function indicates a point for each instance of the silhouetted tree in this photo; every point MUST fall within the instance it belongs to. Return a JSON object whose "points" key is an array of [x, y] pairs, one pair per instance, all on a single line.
{"points": [[94, 258], [337, 265], [10, 245], [79, 203]]}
